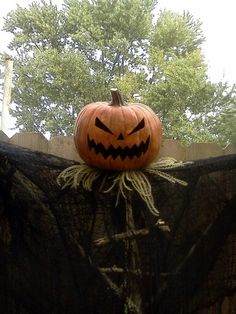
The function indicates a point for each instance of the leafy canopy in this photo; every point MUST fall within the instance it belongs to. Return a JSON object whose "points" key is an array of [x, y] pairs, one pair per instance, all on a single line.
{"points": [[65, 58]]}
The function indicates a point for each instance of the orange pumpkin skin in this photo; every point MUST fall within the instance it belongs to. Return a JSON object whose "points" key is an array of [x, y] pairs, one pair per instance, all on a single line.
{"points": [[117, 136]]}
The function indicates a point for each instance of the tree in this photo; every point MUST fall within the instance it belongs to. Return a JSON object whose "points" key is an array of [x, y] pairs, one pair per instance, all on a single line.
{"points": [[69, 57], [66, 58], [179, 88], [223, 125], [50, 88], [112, 34]]}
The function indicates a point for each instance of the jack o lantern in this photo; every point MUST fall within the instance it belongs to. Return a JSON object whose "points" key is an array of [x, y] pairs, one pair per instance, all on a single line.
{"points": [[117, 135]]}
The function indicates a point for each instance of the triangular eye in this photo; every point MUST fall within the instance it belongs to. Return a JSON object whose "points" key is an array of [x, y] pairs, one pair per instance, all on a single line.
{"points": [[138, 127], [102, 126]]}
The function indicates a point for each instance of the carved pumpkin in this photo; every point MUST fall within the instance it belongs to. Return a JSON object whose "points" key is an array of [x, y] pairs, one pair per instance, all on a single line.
{"points": [[116, 135]]}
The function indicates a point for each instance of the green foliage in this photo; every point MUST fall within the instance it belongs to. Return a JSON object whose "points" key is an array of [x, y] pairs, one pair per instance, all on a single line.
{"points": [[229, 120], [50, 86], [112, 34], [42, 26], [176, 35], [65, 58], [179, 88], [223, 125], [132, 85]]}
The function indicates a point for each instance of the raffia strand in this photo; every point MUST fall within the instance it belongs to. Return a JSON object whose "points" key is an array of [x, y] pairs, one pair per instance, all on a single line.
{"points": [[133, 180], [75, 175], [124, 182]]}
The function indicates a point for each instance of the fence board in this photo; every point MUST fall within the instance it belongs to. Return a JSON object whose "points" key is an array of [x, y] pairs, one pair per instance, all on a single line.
{"points": [[230, 149], [3, 137], [63, 146], [172, 148], [203, 150], [34, 141]]}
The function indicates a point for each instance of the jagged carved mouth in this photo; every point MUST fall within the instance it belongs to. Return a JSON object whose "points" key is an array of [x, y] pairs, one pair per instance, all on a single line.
{"points": [[130, 152]]}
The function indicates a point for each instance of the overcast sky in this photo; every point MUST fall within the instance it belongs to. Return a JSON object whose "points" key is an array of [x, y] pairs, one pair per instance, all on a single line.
{"points": [[219, 26]]}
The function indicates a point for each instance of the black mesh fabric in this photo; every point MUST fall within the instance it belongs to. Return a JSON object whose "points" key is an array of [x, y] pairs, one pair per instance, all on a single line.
{"points": [[71, 251]]}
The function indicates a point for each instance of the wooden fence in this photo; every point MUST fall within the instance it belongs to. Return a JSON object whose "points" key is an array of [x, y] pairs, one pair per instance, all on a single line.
{"points": [[63, 146]]}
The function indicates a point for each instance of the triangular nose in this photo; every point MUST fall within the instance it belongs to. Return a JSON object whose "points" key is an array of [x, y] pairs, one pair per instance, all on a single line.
{"points": [[120, 137]]}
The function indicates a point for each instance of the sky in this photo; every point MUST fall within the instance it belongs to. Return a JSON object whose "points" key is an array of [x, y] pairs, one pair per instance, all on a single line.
{"points": [[218, 25]]}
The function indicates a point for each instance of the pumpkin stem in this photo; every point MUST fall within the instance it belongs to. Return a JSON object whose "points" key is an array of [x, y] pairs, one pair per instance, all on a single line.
{"points": [[117, 99]]}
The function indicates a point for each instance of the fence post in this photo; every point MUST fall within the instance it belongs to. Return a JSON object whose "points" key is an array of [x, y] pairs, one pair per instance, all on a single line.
{"points": [[8, 72]]}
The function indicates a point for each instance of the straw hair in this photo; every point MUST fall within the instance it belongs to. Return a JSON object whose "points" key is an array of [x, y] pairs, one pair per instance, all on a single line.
{"points": [[77, 175], [124, 181]]}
